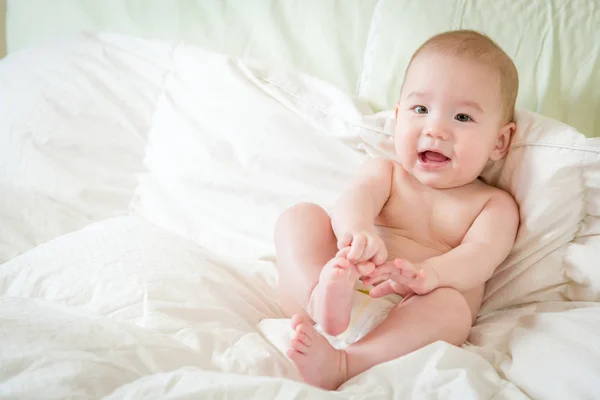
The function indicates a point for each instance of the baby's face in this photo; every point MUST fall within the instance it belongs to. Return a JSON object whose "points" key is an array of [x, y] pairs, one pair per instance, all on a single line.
{"points": [[448, 119]]}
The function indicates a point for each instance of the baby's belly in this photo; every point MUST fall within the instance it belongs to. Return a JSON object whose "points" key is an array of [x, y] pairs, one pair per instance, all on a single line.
{"points": [[401, 245]]}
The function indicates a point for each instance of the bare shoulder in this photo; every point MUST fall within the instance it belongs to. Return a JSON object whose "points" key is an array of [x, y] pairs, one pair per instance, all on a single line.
{"points": [[379, 164], [501, 204], [377, 168], [498, 220], [502, 199]]}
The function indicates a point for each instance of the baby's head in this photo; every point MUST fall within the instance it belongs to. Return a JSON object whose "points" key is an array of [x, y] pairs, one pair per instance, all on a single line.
{"points": [[456, 108]]}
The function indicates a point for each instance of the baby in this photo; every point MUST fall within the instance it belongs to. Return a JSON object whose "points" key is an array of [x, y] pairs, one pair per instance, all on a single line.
{"points": [[424, 227]]}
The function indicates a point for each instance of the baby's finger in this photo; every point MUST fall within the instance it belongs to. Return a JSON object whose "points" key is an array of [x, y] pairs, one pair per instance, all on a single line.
{"points": [[343, 262], [407, 273], [343, 252], [402, 289], [380, 277], [370, 281], [357, 248], [403, 280], [406, 268], [387, 268], [371, 248], [382, 290], [365, 268], [344, 241], [380, 256]]}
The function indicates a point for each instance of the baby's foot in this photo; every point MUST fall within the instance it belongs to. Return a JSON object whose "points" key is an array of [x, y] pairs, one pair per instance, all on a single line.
{"points": [[330, 303], [318, 363]]}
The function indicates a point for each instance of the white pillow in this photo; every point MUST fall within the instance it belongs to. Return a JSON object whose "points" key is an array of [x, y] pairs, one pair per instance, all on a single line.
{"points": [[233, 144], [553, 172], [73, 121]]}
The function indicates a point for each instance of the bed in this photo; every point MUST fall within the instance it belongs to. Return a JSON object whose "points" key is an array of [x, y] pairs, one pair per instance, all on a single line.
{"points": [[146, 150]]}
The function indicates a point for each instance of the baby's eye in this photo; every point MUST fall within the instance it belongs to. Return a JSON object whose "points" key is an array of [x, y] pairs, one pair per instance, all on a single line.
{"points": [[463, 118], [420, 109]]}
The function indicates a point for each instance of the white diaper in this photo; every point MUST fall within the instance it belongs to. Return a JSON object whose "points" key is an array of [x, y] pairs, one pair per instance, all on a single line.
{"points": [[367, 313]]}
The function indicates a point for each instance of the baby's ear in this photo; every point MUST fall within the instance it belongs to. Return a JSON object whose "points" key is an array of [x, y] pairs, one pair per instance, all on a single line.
{"points": [[396, 118], [503, 143]]}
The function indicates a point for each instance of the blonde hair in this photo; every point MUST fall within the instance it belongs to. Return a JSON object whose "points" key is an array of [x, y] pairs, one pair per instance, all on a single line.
{"points": [[474, 45]]}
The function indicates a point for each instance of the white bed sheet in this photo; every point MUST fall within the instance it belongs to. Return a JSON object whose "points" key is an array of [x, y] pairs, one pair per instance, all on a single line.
{"points": [[125, 308]]}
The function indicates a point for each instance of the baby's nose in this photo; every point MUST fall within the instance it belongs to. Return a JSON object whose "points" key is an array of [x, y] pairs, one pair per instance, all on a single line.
{"points": [[437, 131]]}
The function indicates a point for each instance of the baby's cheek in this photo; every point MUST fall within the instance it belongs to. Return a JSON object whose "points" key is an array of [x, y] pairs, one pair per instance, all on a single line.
{"points": [[473, 163], [401, 152]]}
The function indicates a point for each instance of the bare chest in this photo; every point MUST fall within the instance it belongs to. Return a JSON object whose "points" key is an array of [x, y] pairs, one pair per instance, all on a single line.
{"points": [[434, 218]]}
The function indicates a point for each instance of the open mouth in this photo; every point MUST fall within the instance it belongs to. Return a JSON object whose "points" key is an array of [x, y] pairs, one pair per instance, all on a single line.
{"points": [[433, 159]]}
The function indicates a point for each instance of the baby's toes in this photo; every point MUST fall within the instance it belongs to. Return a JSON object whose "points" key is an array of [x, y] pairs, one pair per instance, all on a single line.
{"points": [[346, 268], [303, 336], [297, 345], [343, 263], [338, 265], [295, 355], [296, 321], [308, 330]]}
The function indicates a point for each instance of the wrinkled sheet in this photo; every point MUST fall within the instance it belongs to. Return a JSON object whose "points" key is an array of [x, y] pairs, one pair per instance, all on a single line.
{"points": [[123, 308]]}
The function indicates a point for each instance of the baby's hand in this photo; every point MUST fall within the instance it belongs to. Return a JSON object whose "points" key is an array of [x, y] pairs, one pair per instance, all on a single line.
{"points": [[418, 278], [363, 246]]}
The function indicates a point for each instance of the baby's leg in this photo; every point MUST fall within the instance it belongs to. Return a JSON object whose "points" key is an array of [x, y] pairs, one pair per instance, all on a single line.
{"points": [[443, 314], [310, 277]]}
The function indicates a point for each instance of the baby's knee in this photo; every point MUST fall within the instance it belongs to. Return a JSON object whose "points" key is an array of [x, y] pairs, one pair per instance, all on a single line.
{"points": [[301, 213], [454, 311]]}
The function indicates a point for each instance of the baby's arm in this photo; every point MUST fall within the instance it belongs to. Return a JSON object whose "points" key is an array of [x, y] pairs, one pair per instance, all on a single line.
{"points": [[353, 216], [486, 244]]}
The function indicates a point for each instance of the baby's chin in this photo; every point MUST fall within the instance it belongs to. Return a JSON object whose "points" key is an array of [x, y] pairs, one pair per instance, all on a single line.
{"points": [[437, 183], [440, 182]]}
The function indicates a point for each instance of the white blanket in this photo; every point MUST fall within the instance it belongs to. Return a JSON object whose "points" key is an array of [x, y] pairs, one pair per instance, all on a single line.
{"points": [[179, 301]]}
